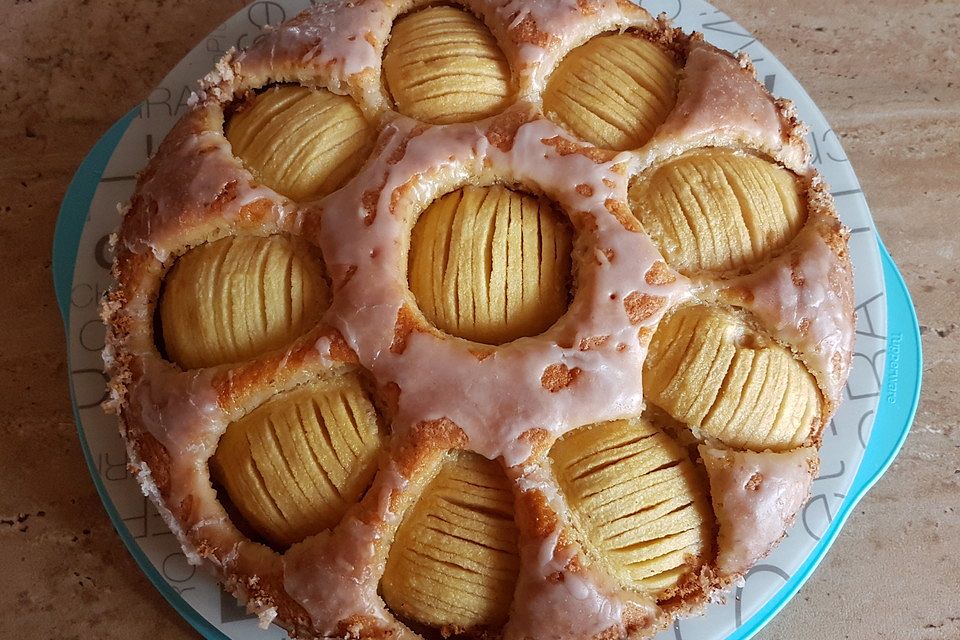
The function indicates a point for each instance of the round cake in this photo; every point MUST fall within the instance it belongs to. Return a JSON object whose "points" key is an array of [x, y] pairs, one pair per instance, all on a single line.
{"points": [[487, 318]]}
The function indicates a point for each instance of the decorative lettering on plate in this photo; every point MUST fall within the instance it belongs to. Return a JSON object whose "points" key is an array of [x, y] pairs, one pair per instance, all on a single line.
{"points": [[738, 594], [113, 467], [818, 513], [868, 313], [89, 403]]}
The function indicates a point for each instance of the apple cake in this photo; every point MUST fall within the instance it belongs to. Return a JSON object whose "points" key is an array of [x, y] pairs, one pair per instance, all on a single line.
{"points": [[479, 318]]}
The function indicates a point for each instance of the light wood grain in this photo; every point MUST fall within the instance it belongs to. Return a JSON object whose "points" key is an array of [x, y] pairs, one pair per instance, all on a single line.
{"points": [[886, 75]]}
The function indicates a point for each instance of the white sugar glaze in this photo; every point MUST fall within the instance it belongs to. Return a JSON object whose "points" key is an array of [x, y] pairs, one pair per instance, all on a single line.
{"points": [[497, 399], [756, 497]]}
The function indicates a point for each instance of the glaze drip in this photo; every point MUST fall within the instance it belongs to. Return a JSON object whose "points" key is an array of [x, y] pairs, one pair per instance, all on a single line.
{"points": [[543, 31], [720, 103], [181, 411], [334, 575], [805, 297], [341, 39], [756, 497], [559, 594]]}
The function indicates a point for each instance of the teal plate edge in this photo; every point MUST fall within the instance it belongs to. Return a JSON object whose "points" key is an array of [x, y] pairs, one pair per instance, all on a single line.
{"points": [[66, 239], [900, 392]]}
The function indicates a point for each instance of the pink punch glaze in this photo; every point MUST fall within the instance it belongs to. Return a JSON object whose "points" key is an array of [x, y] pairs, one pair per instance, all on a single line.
{"points": [[194, 173], [756, 497], [554, 601], [805, 297], [721, 103], [335, 575], [558, 595], [561, 26], [341, 38], [180, 409], [497, 399]]}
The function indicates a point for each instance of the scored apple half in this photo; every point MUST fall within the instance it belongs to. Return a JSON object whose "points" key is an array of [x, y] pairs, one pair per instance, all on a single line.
{"points": [[454, 561], [614, 91], [293, 466], [710, 371], [301, 142], [716, 210], [640, 502], [442, 65], [239, 297], [490, 264]]}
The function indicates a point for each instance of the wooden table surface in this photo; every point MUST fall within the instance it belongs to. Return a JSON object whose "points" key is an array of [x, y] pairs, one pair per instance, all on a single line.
{"points": [[887, 75]]}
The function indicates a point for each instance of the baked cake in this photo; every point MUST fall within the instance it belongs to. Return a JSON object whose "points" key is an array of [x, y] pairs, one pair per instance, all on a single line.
{"points": [[479, 318]]}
